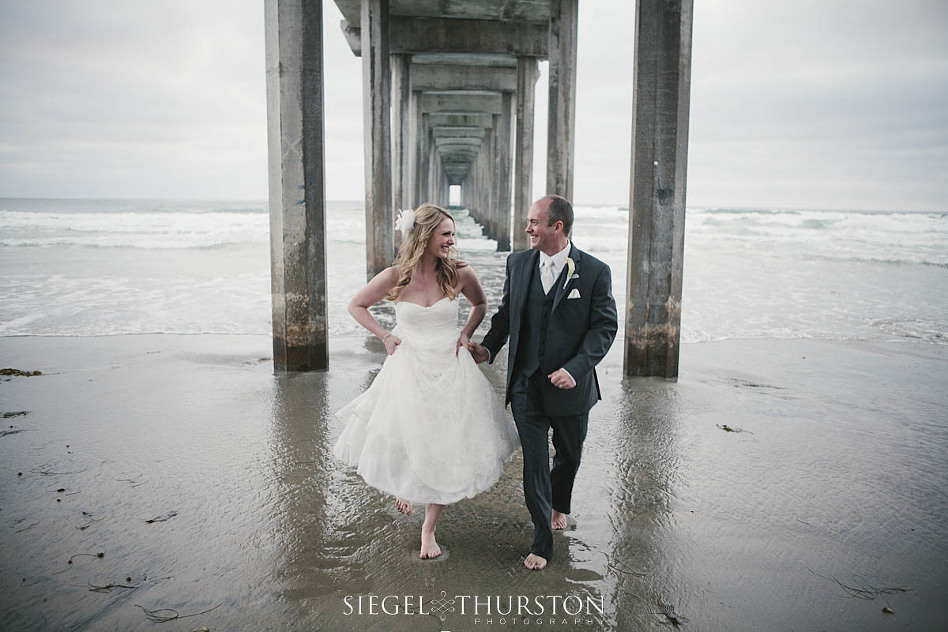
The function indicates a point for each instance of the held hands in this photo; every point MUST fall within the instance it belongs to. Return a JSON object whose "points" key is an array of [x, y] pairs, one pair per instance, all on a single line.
{"points": [[559, 378], [391, 342], [478, 352]]}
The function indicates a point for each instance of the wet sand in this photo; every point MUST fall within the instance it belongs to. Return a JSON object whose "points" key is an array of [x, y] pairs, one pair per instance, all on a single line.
{"points": [[778, 485]]}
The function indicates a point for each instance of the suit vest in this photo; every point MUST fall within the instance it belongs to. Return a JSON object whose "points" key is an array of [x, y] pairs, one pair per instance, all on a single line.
{"points": [[534, 324]]}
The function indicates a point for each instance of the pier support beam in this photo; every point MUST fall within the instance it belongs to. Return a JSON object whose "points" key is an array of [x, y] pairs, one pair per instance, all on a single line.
{"points": [[662, 88], [421, 151], [431, 180], [296, 156], [503, 174], [527, 74], [562, 108], [376, 96], [485, 182], [401, 131]]}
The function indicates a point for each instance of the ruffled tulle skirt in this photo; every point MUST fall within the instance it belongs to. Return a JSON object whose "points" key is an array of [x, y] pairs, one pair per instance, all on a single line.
{"points": [[430, 428]]}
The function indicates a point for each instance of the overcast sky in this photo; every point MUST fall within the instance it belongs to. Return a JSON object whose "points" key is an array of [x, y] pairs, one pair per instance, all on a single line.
{"points": [[804, 104]]}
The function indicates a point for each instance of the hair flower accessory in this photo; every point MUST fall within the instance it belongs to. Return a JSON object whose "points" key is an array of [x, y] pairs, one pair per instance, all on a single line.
{"points": [[570, 269], [405, 221]]}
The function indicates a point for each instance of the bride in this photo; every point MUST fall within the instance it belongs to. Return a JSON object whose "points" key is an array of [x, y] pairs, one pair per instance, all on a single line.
{"points": [[430, 429]]}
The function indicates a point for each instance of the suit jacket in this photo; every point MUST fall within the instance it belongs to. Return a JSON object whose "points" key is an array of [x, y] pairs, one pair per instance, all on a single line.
{"points": [[579, 333]]}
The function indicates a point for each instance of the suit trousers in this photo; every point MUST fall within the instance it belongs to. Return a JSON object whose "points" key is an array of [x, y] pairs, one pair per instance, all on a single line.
{"points": [[545, 489]]}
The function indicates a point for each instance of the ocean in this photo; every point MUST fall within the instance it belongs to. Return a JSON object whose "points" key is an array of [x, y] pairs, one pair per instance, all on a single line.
{"points": [[119, 267]]}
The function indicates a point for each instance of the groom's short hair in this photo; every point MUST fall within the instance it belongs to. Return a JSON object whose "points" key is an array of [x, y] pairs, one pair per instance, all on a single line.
{"points": [[560, 210]]}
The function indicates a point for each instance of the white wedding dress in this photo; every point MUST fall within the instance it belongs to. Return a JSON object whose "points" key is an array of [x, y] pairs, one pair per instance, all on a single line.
{"points": [[430, 428]]}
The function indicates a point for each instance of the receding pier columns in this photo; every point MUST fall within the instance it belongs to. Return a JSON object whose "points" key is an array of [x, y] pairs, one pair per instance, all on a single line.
{"points": [[296, 156], [662, 88], [475, 72]]}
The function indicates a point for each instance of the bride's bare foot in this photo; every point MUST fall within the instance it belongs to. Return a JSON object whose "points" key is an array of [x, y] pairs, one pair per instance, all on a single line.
{"points": [[429, 546], [403, 506], [535, 562], [559, 521]]}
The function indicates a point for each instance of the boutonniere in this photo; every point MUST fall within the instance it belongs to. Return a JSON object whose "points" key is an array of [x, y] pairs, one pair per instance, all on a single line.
{"points": [[570, 271]]}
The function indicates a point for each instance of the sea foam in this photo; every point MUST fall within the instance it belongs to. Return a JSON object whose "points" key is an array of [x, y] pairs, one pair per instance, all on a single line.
{"points": [[86, 267]]}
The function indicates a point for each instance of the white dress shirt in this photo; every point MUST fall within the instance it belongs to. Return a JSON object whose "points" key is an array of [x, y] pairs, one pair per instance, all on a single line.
{"points": [[559, 260]]}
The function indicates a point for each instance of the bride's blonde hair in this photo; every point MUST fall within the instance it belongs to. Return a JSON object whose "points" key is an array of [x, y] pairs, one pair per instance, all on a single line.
{"points": [[427, 219]]}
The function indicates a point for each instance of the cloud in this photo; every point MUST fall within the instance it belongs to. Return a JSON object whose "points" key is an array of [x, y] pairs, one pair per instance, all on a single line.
{"points": [[122, 99], [808, 103], [819, 104]]}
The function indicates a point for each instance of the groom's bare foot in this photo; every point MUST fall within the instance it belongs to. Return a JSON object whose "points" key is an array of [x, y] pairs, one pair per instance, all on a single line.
{"points": [[535, 562], [429, 546], [559, 521], [403, 506]]}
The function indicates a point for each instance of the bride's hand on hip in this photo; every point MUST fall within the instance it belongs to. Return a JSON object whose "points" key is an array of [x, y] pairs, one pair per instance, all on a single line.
{"points": [[463, 341], [391, 343]]}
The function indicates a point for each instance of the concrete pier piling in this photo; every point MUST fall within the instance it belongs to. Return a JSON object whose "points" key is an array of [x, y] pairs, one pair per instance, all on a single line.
{"points": [[376, 98], [500, 224], [662, 80], [295, 130], [448, 97], [561, 118], [401, 131], [527, 74]]}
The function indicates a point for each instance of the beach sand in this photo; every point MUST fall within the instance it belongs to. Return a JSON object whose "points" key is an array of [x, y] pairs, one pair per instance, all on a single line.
{"points": [[777, 485]]}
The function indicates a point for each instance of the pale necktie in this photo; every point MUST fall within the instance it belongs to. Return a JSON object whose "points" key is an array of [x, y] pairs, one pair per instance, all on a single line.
{"points": [[546, 275]]}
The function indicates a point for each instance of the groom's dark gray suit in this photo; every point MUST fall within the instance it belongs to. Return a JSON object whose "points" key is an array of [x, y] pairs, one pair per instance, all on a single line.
{"points": [[571, 327]]}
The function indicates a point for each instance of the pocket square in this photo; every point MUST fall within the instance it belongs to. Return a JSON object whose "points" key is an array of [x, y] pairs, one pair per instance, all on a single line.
{"points": [[574, 294]]}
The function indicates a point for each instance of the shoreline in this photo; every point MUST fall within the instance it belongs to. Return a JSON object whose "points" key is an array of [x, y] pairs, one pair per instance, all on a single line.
{"points": [[737, 494]]}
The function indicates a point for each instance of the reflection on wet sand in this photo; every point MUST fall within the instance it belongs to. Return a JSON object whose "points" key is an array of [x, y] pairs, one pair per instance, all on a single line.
{"points": [[351, 561], [644, 481], [837, 482]]}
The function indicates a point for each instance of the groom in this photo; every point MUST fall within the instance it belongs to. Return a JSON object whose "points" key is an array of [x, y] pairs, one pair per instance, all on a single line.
{"points": [[560, 316]]}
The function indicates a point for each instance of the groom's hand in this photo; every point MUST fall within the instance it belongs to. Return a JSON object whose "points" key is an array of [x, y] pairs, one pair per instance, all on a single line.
{"points": [[478, 352], [561, 379]]}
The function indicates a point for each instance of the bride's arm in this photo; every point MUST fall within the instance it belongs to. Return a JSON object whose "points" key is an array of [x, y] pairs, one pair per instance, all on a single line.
{"points": [[472, 290], [373, 292]]}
